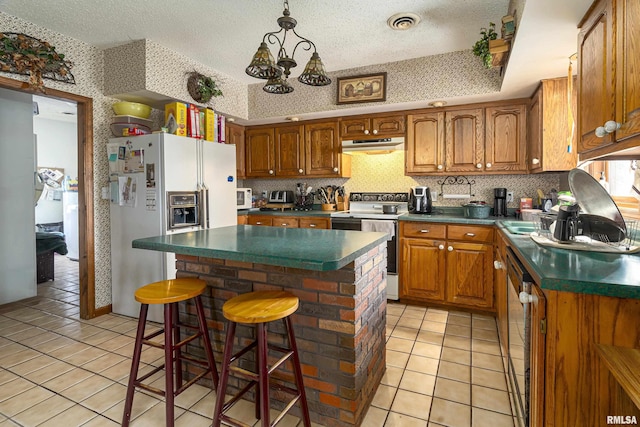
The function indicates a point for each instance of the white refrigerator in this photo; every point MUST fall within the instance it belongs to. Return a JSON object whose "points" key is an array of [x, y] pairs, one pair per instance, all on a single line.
{"points": [[143, 169]]}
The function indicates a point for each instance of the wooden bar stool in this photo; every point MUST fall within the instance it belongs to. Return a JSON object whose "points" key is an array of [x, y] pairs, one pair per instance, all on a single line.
{"points": [[170, 293], [259, 308]]}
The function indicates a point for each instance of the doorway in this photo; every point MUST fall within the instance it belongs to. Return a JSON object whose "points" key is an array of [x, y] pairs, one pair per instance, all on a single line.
{"points": [[86, 254]]}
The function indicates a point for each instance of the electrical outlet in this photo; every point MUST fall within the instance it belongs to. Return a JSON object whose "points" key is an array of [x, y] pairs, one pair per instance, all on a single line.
{"points": [[434, 195], [509, 196]]}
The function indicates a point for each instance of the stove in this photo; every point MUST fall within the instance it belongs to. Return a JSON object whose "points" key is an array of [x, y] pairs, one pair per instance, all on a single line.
{"points": [[366, 212], [369, 206]]}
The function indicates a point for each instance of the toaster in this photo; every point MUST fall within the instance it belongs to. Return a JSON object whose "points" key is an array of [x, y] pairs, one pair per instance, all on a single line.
{"points": [[281, 196]]}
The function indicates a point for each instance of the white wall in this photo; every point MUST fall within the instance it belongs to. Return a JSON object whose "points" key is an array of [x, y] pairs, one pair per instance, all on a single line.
{"points": [[57, 148], [17, 234]]}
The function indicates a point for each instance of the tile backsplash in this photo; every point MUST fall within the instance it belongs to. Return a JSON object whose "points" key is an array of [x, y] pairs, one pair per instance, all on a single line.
{"points": [[385, 172]]}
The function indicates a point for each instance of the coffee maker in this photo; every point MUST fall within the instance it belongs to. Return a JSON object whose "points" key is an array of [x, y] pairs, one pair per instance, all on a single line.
{"points": [[420, 200], [499, 202]]}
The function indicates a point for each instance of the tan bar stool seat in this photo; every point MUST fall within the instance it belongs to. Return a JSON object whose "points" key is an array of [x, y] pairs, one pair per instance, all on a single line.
{"points": [[260, 308], [169, 293]]}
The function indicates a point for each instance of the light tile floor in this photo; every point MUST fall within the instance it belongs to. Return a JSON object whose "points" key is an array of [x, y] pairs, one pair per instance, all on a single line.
{"points": [[443, 368]]}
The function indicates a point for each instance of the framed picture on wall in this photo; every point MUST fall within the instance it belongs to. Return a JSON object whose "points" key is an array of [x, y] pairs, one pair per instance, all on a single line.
{"points": [[364, 88]]}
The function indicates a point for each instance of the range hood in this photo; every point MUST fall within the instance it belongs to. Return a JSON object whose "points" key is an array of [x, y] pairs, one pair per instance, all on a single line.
{"points": [[373, 145]]}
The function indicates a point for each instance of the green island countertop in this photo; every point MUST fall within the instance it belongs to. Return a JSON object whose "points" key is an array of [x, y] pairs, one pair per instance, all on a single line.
{"points": [[304, 248], [597, 273]]}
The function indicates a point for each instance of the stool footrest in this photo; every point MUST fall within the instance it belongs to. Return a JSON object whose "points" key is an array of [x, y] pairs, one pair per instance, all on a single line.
{"points": [[252, 376], [232, 421], [280, 361], [243, 351], [150, 389]]}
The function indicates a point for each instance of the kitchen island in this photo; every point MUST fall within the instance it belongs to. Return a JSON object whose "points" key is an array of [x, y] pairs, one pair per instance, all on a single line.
{"points": [[339, 277]]}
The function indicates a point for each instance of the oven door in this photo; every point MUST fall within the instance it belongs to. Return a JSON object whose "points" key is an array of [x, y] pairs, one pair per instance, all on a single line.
{"points": [[518, 289]]}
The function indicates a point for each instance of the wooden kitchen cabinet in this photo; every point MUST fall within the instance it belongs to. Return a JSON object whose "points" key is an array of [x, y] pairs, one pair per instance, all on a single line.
{"points": [[464, 140], [549, 132], [235, 135], [425, 145], [323, 155], [608, 79], [289, 151], [372, 126], [537, 356], [260, 159], [456, 271], [505, 143], [311, 149], [314, 222], [290, 221]]}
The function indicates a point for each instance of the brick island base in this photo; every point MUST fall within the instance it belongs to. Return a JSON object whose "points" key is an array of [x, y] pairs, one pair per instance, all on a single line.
{"points": [[339, 327]]}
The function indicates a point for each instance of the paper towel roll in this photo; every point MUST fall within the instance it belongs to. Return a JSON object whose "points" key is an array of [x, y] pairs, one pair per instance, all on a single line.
{"points": [[457, 196]]}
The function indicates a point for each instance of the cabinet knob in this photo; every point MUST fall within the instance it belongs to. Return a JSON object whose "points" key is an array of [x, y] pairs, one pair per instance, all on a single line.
{"points": [[258, 223], [479, 166], [300, 170], [441, 247], [284, 224], [488, 165], [440, 167], [450, 248], [366, 131], [424, 231], [535, 161], [525, 298], [271, 172], [312, 225], [609, 127], [375, 131], [336, 170], [497, 265], [470, 234]]}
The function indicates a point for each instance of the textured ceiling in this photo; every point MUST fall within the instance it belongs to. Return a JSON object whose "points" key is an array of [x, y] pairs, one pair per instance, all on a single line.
{"points": [[348, 34]]}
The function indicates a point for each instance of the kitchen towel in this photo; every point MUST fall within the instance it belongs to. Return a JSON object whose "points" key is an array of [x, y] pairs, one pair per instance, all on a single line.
{"points": [[380, 225]]}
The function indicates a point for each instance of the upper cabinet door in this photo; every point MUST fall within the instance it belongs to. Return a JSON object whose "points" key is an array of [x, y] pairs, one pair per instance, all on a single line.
{"points": [[289, 150], [355, 128], [372, 127], [425, 143], [260, 152], [505, 141], [596, 61], [235, 135], [464, 140], [388, 126], [322, 147], [628, 69]]}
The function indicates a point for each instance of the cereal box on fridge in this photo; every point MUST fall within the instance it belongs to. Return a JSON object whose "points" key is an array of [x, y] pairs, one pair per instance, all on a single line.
{"points": [[175, 118]]}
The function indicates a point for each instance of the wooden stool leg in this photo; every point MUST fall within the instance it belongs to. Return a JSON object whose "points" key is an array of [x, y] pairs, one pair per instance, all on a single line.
{"points": [[202, 322], [176, 339], [263, 373], [135, 362], [224, 373], [168, 364], [298, 372]]}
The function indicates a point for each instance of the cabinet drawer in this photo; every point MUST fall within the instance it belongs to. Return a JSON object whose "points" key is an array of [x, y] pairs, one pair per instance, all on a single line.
{"points": [[470, 233], [287, 222], [424, 230], [321, 223], [259, 220]]}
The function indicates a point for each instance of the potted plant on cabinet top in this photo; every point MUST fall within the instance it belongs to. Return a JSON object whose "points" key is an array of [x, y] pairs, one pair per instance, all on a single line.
{"points": [[202, 88], [490, 48]]}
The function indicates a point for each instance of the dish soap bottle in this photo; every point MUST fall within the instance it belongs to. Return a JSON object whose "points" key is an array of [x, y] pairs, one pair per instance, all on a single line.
{"points": [[603, 181]]}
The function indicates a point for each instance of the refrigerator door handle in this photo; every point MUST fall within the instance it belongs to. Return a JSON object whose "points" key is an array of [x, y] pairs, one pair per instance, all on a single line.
{"points": [[206, 204]]}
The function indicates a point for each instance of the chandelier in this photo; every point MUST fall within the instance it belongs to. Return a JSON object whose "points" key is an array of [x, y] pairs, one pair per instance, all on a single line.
{"points": [[264, 66]]}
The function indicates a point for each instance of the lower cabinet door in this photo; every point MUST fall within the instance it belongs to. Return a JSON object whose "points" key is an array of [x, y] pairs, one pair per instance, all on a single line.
{"points": [[423, 269], [470, 274]]}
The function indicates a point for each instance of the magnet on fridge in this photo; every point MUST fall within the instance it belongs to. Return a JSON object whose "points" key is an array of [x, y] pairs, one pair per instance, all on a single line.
{"points": [[230, 178]]}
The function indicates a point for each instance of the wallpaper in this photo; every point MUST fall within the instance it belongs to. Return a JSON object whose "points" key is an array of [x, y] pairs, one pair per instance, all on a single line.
{"points": [[385, 172], [433, 77]]}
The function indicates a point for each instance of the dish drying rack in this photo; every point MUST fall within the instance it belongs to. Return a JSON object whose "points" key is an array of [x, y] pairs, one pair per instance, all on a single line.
{"points": [[627, 242]]}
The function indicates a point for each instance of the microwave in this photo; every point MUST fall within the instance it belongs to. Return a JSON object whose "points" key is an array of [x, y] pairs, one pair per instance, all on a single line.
{"points": [[243, 198]]}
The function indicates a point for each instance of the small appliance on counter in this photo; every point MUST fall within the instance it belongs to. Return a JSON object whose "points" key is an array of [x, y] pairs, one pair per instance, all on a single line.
{"points": [[420, 200], [476, 210], [244, 198], [279, 200], [499, 202]]}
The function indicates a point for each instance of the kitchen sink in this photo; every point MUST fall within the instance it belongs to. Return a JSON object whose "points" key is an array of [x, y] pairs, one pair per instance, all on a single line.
{"points": [[519, 227]]}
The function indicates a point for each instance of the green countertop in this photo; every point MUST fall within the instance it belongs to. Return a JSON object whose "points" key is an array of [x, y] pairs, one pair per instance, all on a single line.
{"points": [[314, 212], [597, 273], [303, 248]]}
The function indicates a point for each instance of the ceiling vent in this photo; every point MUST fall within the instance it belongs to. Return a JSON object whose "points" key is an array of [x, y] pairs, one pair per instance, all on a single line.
{"points": [[403, 21]]}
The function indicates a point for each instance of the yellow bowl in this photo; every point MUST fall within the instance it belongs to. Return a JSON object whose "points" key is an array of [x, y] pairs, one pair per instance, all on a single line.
{"points": [[132, 109]]}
